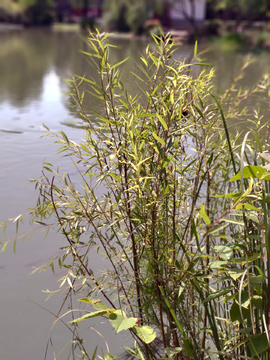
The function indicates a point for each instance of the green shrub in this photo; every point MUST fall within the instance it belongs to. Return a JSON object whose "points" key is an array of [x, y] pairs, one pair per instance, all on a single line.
{"points": [[261, 40], [10, 11], [29, 12], [87, 24], [186, 242], [213, 27], [129, 15], [114, 16], [40, 13], [233, 41]]}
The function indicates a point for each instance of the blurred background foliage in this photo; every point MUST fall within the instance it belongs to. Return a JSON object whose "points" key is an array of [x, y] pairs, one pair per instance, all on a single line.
{"points": [[239, 9], [130, 15], [28, 12]]}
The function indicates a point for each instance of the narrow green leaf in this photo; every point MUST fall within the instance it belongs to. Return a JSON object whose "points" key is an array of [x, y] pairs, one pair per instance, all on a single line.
{"points": [[109, 357], [218, 228], [145, 115], [161, 141], [153, 58], [247, 207], [163, 122], [242, 260], [231, 195], [188, 347], [91, 315], [180, 327], [94, 353], [64, 136], [97, 304], [137, 77], [226, 130], [143, 60], [202, 64], [120, 63], [217, 294], [45, 127], [195, 48], [172, 98], [234, 221], [14, 245], [91, 54], [204, 215]]}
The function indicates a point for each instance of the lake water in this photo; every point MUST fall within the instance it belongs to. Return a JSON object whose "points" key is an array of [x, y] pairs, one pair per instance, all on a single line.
{"points": [[33, 67]]}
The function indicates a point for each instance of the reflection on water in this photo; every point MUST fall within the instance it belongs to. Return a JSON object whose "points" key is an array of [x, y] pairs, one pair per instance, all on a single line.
{"points": [[35, 64], [11, 131], [33, 67], [227, 66]]}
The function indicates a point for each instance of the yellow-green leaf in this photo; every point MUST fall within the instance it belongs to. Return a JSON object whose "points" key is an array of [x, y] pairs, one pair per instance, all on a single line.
{"points": [[252, 171], [146, 333], [120, 322], [204, 215], [91, 315], [161, 141]]}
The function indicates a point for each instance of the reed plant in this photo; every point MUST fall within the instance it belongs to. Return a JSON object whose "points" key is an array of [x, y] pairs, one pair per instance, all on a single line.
{"points": [[176, 204]]}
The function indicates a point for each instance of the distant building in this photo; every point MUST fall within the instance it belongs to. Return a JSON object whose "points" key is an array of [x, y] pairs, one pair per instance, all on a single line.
{"points": [[94, 7], [178, 13], [182, 13], [62, 9]]}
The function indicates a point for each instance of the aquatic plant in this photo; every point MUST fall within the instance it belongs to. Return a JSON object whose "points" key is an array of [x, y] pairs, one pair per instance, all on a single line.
{"points": [[166, 197]]}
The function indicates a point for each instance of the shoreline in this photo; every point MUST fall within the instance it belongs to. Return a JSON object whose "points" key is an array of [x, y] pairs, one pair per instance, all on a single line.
{"points": [[5, 27], [252, 40]]}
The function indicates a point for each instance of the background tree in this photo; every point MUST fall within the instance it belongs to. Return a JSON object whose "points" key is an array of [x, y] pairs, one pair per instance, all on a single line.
{"points": [[241, 10], [130, 15], [85, 7], [188, 9], [39, 12], [30, 12], [62, 8]]}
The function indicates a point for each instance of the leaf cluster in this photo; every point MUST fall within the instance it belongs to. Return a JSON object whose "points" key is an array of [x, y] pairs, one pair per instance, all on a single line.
{"points": [[186, 248]]}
